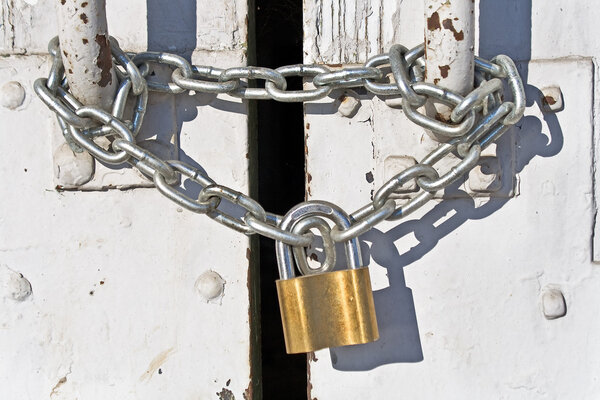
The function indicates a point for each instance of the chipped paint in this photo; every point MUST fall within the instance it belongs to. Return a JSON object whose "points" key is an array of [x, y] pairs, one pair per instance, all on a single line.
{"points": [[444, 70], [104, 60], [225, 394], [448, 24], [433, 22]]}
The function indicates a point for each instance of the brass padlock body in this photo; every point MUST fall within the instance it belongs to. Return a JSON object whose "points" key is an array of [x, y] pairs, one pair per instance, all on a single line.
{"points": [[327, 310]]}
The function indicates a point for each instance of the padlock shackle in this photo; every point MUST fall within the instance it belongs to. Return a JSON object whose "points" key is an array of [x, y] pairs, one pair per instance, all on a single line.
{"points": [[285, 258]]}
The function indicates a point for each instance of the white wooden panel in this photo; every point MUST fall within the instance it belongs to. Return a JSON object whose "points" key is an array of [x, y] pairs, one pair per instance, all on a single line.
{"points": [[458, 286], [113, 310]]}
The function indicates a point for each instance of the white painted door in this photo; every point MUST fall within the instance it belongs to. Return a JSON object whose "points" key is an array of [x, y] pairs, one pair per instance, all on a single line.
{"points": [[459, 287], [98, 293]]}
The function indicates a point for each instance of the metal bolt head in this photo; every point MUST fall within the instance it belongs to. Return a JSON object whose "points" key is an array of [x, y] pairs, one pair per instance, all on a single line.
{"points": [[553, 303], [552, 99], [12, 95], [210, 285], [349, 104]]}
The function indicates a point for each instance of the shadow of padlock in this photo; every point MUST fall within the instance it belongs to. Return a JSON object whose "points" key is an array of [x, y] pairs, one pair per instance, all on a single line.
{"points": [[328, 309]]}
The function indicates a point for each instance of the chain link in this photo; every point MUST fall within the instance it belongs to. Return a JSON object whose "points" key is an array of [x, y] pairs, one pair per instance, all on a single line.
{"points": [[477, 120]]}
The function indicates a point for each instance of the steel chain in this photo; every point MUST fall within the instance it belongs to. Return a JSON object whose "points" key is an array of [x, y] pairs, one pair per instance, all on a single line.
{"points": [[476, 120]]}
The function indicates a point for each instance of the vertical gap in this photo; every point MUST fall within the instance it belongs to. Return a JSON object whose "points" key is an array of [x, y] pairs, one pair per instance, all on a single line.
{"points": [[280, 184]]}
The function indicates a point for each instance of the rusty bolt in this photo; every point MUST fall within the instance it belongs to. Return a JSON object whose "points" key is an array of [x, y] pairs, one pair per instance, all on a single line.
{"points": [[349, 104], [210, 285], [552, 99], [12, 95], [553, 303]]}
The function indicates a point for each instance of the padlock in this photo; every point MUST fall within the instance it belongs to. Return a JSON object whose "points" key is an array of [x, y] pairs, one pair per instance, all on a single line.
{"points": [[328, 309]]}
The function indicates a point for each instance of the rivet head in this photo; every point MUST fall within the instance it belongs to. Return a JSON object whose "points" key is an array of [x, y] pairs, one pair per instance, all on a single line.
{"points": [[210, 286], [14, 285], [12, 95], [553, 303]]}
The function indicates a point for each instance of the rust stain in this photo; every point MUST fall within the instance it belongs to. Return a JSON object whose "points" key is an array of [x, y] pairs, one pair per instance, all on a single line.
{"points": [[314, 257], [84, 18], [436, 80], [549, 100], [63, 2], [60, 382], [85, 41], [84, 4], [335, 65], [444, 70], [104, 61], [447, 23], [156, 363], [307, 125], [308, 177], [433, 22], [248, 253]]}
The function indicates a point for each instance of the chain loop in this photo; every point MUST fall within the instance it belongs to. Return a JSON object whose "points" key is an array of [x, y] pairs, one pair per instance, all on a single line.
{"points": [[399, 67], [444, 96], [107, 119], [477, 120], [199, 85], [171, 60], [237, 198], [299, 95], [268, 74], [304, 226], [181, 199]]}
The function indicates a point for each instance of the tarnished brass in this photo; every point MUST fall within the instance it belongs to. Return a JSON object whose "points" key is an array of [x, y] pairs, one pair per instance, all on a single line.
{"points": [[327, 310]]}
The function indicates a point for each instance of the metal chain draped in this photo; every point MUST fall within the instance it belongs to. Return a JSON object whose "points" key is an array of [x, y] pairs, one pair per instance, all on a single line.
{"points": [[477, 120]]}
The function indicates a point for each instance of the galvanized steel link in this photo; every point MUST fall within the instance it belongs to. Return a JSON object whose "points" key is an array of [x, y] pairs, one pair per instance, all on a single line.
{"points": [[478, 119]]}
